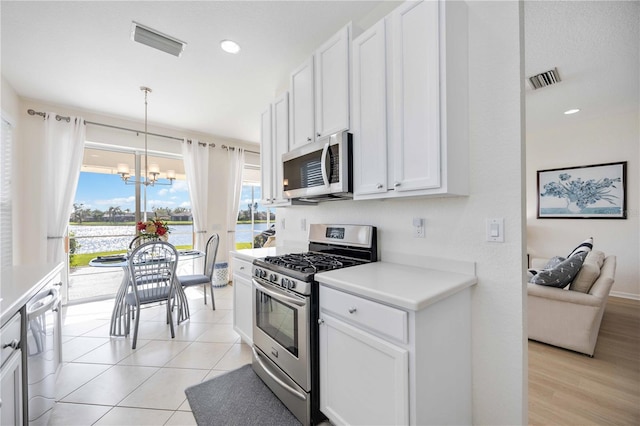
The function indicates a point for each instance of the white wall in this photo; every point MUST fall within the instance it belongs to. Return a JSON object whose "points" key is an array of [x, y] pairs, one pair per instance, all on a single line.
{"points": [[29, 210], [609, 139], [455, 227]]}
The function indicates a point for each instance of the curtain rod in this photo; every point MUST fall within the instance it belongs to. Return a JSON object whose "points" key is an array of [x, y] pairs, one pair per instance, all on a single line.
{"points": [[232, 148], [67, 119]]}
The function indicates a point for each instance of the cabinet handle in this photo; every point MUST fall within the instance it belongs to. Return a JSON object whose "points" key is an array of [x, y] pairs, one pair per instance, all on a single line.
{"points": [[320, 321], [242, 268], [14, 344], [397, 184], [352, 310], [308, 139], [379, 186], [58, 284], [318, 134]]}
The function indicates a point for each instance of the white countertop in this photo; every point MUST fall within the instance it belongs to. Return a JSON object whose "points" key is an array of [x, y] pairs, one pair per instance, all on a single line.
{"points": [[406, 287], [21, 283]]}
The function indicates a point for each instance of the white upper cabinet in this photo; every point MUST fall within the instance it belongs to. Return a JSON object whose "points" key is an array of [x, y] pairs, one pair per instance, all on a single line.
{"points": [[410, 72], [416, 97], [302, 101], [320, 92], [274, 140], [280, 142], [370, 111], [332, 84], [266, 157]]}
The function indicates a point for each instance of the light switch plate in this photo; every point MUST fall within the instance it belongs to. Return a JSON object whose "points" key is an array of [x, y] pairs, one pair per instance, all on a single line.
{"points": [[495, 230]]}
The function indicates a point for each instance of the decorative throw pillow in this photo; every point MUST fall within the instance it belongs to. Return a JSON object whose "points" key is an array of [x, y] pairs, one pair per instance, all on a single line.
{"points": [[553, 262], [562, 274], [586, 276], [584, 246]]}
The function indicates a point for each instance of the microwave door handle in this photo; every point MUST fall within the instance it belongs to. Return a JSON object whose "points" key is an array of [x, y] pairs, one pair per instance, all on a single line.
{"points": [[323, 164]]}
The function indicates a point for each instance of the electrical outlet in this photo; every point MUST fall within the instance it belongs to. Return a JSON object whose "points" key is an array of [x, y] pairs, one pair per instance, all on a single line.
{"points": [[418, 227], [303, 224], [282, 224]]}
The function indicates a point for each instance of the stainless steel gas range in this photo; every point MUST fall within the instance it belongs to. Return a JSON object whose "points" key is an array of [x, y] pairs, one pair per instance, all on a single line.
{"points": [[285, 312]]}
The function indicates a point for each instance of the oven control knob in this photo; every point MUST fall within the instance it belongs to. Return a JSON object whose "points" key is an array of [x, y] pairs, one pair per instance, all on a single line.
{"points": [[283, 282], [292, 285], [273, 278]]}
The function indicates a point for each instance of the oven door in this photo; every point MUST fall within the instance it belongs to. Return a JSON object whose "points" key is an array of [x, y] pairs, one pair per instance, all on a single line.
{"points": [[281, 330]]}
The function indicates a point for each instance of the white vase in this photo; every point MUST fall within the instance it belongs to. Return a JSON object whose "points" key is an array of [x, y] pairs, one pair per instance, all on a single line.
{"points": [[573, 207]]}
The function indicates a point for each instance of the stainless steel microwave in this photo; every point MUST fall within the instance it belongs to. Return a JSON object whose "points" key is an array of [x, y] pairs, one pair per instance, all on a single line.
{"points": [[319, 171]]}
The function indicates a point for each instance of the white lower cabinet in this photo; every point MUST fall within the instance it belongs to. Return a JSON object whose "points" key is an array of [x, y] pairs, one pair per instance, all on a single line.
{"points": [[364, 379], [381, 365], [242, 300], [11, 374]]}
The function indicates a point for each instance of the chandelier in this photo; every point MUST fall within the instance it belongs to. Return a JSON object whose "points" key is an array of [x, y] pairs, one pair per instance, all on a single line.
{"points": [[152, 170]]}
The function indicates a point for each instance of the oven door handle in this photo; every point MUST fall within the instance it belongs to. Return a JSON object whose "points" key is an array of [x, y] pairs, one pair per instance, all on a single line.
{"points": [[277, 379], [279, 295]]}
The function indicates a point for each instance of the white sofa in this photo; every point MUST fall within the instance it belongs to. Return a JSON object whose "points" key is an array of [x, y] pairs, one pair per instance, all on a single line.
{"points": [[567, 318]]}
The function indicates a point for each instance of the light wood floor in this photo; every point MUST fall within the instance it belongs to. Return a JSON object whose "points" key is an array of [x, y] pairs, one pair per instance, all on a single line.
{"points": [[567, 388]]}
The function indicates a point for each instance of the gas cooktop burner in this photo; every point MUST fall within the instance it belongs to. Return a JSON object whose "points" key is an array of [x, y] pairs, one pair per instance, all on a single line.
{"points": [[310, 262]]}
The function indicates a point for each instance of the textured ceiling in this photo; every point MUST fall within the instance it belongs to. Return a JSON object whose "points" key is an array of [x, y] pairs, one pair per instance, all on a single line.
{"points": [[79, 54], [595, 46]]}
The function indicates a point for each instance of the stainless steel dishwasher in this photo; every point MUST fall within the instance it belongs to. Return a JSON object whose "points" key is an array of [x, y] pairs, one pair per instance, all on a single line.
{"points": [[43, 353]]}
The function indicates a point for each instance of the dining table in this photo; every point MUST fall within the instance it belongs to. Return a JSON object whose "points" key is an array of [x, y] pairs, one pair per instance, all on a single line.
{"points": [[119, 314]]}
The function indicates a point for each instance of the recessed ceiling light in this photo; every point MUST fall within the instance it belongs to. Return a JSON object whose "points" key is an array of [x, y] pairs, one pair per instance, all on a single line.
{"points": [[571, 111], [230, 46]]}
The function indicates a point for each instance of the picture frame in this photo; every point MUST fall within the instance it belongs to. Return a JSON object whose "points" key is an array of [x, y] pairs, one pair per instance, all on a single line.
{"points": [[597, 191]]}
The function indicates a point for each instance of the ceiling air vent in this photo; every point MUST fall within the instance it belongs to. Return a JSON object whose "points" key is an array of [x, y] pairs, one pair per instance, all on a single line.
{"points": [[156, 39], [546, 78]]}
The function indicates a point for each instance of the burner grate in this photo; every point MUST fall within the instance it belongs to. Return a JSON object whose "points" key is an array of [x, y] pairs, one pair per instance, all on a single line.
{"points": [[310, 262]]}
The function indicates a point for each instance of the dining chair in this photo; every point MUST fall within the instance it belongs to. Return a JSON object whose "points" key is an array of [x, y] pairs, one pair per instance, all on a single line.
{"points": [[152, 272], [206, 278]]}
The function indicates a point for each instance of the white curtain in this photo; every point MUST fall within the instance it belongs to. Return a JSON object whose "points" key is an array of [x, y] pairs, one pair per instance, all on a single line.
{"points": [[65, 147], [196, 166], [236, 166]]}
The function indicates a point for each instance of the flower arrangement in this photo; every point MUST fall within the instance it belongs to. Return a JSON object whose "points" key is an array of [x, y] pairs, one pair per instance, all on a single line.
{"points": [[154, 228], [579, 193]]}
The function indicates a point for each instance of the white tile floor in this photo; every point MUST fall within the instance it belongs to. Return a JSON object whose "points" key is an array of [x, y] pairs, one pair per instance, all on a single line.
{"points": [[104, 382]]}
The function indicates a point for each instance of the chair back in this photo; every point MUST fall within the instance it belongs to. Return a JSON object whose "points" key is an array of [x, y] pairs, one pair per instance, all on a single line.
{"points": [[211, 251], [141, 239], [152, 269]]}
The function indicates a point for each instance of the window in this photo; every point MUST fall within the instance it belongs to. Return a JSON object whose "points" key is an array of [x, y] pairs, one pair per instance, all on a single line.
{"points": [[253, 217], [105, 212]]}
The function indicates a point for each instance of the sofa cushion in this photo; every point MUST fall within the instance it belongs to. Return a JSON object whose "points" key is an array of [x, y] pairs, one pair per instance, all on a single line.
{"points": [[596, 257], [584, 247], [586, 276], [562, 274]]}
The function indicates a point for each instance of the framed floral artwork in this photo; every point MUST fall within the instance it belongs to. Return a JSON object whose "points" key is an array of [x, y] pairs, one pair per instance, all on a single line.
{"points": [[585, 192]]}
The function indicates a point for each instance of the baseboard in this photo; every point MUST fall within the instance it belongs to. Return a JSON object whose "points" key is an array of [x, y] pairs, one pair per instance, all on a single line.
{"points": [[624, 295]]}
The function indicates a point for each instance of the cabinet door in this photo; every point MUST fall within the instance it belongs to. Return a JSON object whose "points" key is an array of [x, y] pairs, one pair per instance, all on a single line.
{"points": [[332, 84], [416, 96], [280, 143], [370, 111], [243, 308], [11, 390], [363, 379], [266, 155], [302, 100]]}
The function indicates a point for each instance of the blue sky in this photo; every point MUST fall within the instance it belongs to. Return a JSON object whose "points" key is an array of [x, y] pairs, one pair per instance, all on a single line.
{"points": [[101, 191]]}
